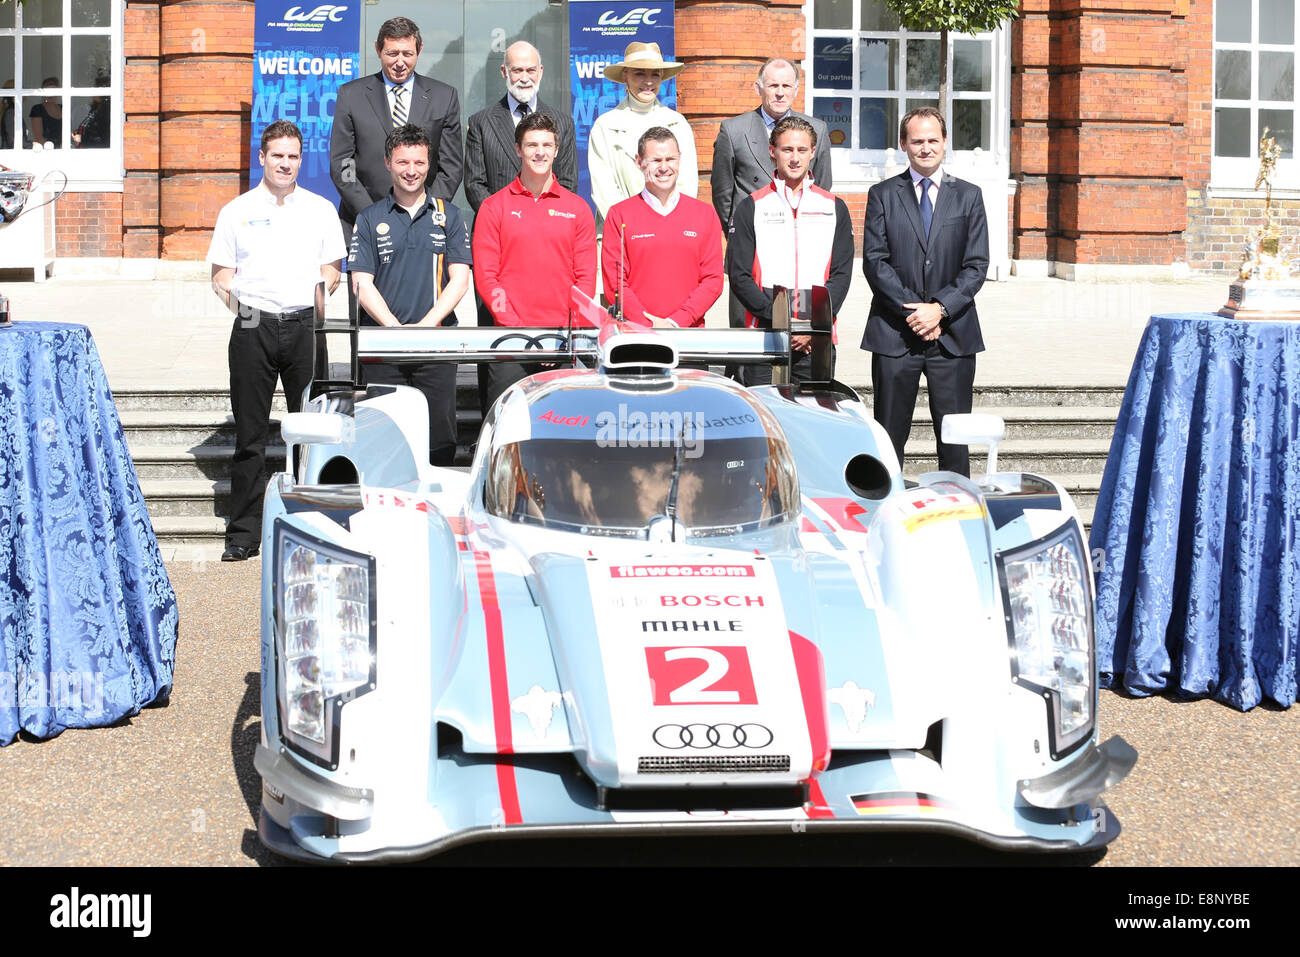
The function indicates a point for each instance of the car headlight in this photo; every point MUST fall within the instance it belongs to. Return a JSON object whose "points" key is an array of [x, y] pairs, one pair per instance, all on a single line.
{"points": [[1047, 601], [325, 638]]}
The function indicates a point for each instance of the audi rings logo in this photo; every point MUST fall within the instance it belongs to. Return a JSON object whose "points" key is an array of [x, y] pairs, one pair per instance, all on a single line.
{"points": [[699, 737]]}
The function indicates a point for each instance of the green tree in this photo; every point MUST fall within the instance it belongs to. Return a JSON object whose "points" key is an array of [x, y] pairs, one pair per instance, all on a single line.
{"points": [[946, 16]]}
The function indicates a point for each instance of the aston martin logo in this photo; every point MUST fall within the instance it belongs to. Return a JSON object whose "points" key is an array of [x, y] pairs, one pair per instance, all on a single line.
{"points": [[538, 706], [854, 701]]}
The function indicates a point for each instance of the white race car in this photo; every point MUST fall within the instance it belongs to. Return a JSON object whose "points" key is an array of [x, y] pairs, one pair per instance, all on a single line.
{"points": [[659, 602]]}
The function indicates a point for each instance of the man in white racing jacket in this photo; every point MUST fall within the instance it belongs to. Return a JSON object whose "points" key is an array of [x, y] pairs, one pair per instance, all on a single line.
{"points": [[789, 233]]}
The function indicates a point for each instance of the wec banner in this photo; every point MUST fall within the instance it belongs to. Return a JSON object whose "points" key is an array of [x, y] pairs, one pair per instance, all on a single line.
{"points": [[599, 32], [302, 54]]}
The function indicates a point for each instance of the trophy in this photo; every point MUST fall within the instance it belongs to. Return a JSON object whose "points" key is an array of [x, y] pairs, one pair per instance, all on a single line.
{"points": [[1268, 283]]}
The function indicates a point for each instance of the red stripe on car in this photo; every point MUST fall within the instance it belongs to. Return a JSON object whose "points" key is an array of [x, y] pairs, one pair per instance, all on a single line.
{"points": [[496, 649]]}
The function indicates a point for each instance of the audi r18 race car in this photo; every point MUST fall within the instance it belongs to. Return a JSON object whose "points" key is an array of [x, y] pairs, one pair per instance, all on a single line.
{"points": [[658, 602]]}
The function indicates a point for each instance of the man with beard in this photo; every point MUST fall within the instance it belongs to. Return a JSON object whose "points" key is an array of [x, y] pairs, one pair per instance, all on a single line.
{"points": [[490, 158]]}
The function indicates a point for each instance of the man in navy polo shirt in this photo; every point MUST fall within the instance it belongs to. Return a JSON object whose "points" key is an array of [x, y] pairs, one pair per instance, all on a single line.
{"points": [[410, 260]]}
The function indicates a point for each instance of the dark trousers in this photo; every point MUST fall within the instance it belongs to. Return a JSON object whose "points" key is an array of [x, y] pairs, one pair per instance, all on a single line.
{"points": [[950, 380], [261, 349], [437, 381], [502, 375]]}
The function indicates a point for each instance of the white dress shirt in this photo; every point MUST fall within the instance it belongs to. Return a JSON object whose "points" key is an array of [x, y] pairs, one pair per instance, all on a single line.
{"points": [[277, 250], [408, 86], [934, 185], [663, 209]]}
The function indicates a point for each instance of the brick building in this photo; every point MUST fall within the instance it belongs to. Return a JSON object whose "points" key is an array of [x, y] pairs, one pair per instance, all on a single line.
{"points": [[1112, 138]]}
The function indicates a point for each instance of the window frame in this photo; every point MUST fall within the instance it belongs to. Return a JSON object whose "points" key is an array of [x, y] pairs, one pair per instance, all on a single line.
{"points": [[1234, 176], [88, 170], [853, 162]]}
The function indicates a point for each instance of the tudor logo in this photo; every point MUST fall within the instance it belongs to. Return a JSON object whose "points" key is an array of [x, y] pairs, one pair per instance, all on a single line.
{"points": [[700, 737], [320, 14], [632, 17]]}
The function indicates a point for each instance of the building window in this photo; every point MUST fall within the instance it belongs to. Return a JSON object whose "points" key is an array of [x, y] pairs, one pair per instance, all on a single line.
{"points": [[1254, 87], [866, 73], [60, 84]]}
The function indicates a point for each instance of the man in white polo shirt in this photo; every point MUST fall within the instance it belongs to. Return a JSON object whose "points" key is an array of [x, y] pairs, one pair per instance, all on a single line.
{"points": [[270, 248]]}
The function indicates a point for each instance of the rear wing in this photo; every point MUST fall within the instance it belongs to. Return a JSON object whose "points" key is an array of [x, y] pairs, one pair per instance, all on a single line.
{"points": [[575, 344]]}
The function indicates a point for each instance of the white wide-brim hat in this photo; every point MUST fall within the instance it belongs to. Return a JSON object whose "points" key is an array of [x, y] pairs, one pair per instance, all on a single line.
{"points": [[642, 56]]}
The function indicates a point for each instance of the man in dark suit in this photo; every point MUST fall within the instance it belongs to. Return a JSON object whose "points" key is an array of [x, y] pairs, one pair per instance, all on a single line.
{"points": [[369, 108], [742, 158], [925, 253], [491, 162]]}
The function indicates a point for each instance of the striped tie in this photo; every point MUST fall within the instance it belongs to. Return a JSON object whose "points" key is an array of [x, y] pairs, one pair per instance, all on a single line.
{"points": [[399, 108]]}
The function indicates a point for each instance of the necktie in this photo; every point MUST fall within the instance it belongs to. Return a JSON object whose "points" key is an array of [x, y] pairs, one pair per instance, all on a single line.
{"points": [[523, 110], [927, 209], [399, 108]]}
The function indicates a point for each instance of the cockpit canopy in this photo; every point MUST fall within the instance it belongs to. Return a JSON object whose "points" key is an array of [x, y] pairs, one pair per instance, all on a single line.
{"points": [[576, 455]]}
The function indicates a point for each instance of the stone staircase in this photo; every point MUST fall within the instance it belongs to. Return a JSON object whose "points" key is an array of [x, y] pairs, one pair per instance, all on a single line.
{"points": [[182, 442]]}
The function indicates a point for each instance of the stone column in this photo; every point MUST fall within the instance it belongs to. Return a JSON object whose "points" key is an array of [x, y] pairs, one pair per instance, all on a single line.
{"points": [[1098, 138], [204, 98]]}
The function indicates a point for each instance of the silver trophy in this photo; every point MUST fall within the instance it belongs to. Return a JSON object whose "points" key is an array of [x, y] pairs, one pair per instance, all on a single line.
{"points": [[1268, 283]]}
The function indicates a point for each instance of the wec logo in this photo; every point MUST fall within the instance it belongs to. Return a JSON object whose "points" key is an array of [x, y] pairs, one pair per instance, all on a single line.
{"points": [[644, 15], [318, 15]]}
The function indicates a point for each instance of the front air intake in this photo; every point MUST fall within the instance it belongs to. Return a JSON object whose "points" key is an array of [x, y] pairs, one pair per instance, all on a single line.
{"points": [[719, 764], [640, 352]]}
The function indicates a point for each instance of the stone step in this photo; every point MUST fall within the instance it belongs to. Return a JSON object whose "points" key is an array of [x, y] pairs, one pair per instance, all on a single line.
{"points": [[214, 400], [1024, 395], [192, 428], [190, 537], [197, 464], [1050, 457], [1035, 422], [176, 498]]}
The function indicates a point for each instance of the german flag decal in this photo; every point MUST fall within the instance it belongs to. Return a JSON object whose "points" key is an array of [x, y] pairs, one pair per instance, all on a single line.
{"points": [[898, 802]]}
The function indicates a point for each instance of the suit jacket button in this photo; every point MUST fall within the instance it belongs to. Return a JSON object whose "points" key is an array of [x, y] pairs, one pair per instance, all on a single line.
{"points": [[927, 262]]}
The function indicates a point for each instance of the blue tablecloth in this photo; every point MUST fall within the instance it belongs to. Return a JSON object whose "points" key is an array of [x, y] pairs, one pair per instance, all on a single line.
{"points": [[87, 615], [1197, 520]]}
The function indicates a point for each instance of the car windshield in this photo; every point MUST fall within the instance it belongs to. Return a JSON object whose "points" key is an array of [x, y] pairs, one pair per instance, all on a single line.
{"points": [[611, 476]]}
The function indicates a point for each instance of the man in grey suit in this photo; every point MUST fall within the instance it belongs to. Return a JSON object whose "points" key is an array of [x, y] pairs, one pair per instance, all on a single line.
{"points": [[369, 108], [491, 161], [742, 160], [925, 252]]}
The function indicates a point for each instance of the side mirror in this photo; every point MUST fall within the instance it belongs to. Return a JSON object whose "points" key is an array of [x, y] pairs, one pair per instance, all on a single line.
{"points": [[975, 428], [317, 428]]}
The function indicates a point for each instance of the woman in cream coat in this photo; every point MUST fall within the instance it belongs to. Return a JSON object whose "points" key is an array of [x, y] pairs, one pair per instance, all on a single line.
{"points": [[611, 148]]}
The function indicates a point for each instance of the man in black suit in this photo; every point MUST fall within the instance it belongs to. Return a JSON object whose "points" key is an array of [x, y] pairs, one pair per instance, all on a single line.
{"points": [[491, 161], [742, 158], [370, 107], [925, 253]]}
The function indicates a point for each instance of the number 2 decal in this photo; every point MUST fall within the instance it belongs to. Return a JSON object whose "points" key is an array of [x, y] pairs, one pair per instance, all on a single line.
{"points": [[677, 678]]}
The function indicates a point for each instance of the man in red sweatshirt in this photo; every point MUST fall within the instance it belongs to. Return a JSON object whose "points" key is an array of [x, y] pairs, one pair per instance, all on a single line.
{"points": [[662, 251], [533, 240]]}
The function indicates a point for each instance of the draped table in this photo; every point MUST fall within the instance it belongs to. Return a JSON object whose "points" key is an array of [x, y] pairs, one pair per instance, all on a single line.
{"points": [[1196, 526], [88, 617]]}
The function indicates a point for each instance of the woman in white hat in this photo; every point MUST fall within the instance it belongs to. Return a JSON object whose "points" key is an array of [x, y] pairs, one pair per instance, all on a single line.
{"points": [[611, 148]]}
